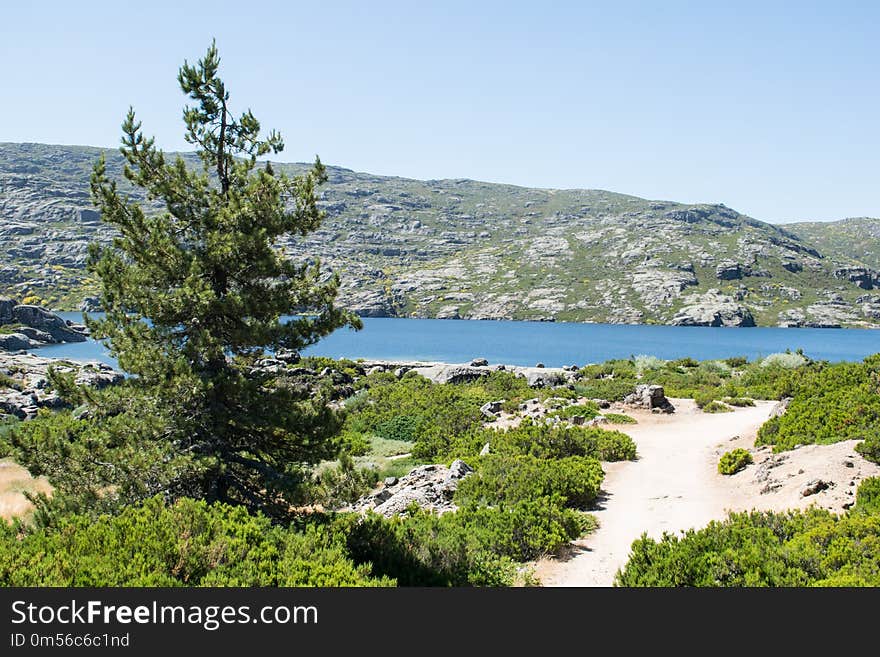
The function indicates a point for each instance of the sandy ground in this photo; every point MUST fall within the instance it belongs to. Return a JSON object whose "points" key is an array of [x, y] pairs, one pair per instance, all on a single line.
{"points": [[14, 480], [674, 485]]}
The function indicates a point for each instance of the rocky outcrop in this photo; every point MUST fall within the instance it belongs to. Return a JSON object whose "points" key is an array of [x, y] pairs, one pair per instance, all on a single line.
{"points": [[35, 326], [15, 342], [714, 309], [29, 375], [91, 305], [651, 397], [864, 278], [431, 487], [453, 373], [537, 377], [490, 410], [730, 270], [370, 303]]}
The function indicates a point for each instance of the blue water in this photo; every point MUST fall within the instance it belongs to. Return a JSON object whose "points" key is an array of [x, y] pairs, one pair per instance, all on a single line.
{"points": [[552, 343]]}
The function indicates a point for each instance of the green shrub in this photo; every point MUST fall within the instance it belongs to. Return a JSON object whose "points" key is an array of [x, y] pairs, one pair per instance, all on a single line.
{"points": [[400, 427], [355, 443], [870, 448], [643, 363], [717, 407], [703, 399], [737, 361], [587, 410], [733, 461], [619, 418], [340, 485], [738, 401], [508, 479], [189, 543], [833, 403], [801, 548], [546, 441], [475, 546], [609, 389], [868, 496]]}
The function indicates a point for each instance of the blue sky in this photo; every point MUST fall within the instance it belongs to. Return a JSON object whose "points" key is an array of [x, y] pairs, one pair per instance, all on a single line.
{"points": [[770, 108]]}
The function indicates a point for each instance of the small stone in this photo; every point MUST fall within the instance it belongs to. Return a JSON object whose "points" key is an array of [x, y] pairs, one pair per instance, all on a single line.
{"points": [[815, 486], [390, 481]]}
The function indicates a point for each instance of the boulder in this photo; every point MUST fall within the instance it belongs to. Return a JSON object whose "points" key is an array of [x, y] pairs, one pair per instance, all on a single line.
{"points": [[36, 334], [479, 362], [429, 486], [452, 373], [861, 276], [651, 397], [729, 270], [780, 407], [815, 486], [30, 375], [91, 305], [491, 409], [42, 319], [459, 469], [544, 378], [15, 342], [289, 356], [6, 307], [713, 309]]}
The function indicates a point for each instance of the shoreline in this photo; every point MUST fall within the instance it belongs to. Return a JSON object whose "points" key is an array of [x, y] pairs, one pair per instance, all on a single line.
{"points": [[867, 326]]}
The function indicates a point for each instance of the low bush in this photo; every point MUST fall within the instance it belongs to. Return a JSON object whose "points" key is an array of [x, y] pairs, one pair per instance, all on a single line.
{"points": [[610, 389], [703, 399], [787, 360], [189, 543], [733, 461], [546, 441], [340, 485], [587, 410], [837, 402], [868, 496], [400, 427], [738, 401], [619, 418], [870, 448], [717, 407], [508, 479], [799, 548]]}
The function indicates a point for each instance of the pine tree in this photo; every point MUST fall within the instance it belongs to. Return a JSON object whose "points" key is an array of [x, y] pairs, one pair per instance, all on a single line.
{"points": [[193, 296]]}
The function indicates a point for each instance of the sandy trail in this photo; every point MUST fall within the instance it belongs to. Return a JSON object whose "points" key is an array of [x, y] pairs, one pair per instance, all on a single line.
{"points": [[674, 485]]}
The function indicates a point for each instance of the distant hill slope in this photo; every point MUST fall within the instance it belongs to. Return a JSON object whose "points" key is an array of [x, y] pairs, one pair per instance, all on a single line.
{"points": [[467, 249], [857, 238]]}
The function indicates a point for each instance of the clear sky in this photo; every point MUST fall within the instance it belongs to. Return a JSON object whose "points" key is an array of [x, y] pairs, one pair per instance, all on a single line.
{"points": [[769, 107]]}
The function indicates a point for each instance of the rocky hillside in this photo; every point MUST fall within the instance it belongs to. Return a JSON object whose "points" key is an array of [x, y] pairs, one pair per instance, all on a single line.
{"points": [[857, 238], [473, 250]]}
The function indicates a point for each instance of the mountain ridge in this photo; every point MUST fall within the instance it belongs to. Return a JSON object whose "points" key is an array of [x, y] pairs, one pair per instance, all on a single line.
{"points": [[461, 248]]}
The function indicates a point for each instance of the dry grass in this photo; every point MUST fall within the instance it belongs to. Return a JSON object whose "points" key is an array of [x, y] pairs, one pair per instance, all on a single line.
{"points": [[15, 481]]}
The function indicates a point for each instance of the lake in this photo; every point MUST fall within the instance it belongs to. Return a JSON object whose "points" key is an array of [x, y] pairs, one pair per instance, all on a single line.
{"points": [[552, 343]]}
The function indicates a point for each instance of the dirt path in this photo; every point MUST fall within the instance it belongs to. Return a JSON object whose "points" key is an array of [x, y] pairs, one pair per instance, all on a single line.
{"points": [[672, 486]]}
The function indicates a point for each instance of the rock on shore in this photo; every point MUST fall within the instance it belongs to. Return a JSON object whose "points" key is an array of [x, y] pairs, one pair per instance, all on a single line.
{"points": [[34, 327], [29, 377]]}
